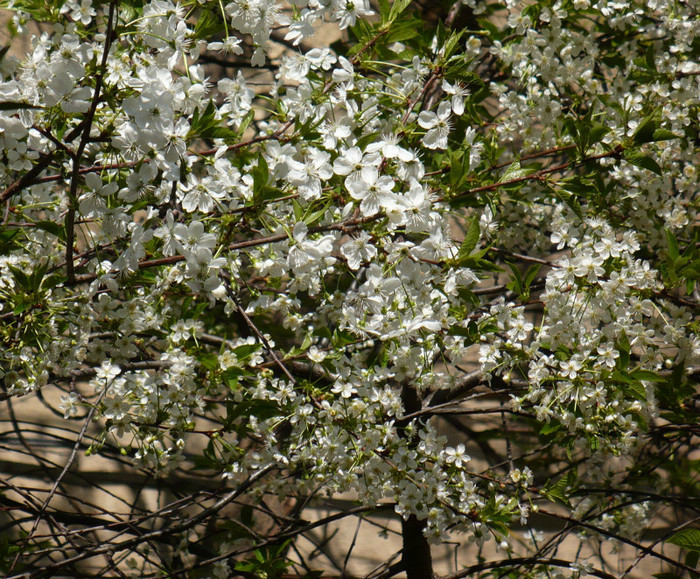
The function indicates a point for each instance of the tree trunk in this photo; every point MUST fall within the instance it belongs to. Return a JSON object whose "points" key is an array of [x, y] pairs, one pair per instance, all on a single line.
{"points": [[416, 558]]}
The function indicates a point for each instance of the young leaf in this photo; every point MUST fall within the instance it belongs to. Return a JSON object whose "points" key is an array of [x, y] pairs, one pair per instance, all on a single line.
{"points": [[673, 251], [557, 492], [261, 175], [397, 8], [664, 135], [531, 274], [687, 539], [516, 283], [470, 239], [597, 133], [645, 131], [245, 123], [21, 278], [208, 23], [384, 11], [52, 227], [515, 171], [643, 161]]}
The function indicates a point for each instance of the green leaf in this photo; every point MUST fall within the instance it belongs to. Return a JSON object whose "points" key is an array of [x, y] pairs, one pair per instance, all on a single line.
{"points": [[620, 376], [557, 492], [649, 58], [634, 390], [311, 218], [208, 24], [267, 193], [246, 350], [209, 360], [516, 283], [531, 274], [515, 171], [645, 131], [571, 128], [643, 161], [205, 125], [262, 409], [623, 342], [480, 265], [397, 8], [597, 133], [452, 43], [550, 428], [578, 186], [261, 175], [384, 11], [7, 238], [298, 210], [664, 135], [21, 278], [647, 376], [230, 377], [456, 171], [51, 281], [624, 347], [52, 227], [37, 276], [363, 32], [641, 76], [470, 239], [246, 122], [673, 251], [686, 539], [494, 31], [571, 199]]}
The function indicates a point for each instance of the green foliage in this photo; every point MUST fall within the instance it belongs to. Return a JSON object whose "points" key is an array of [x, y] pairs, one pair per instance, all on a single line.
{"points": [[205, 125], [559, 491], [688, 539]]}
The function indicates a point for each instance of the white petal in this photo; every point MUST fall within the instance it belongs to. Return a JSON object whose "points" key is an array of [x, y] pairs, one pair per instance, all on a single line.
{"points": [[434, 139], [427, 119]]}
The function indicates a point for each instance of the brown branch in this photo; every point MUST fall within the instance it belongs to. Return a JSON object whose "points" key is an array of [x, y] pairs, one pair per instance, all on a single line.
{"points": [[650, 549], [612, 535], [29, 177], [71, 459], [519, 562], [537, 155], [346, 226], [537, 175], [75, 173], [259, 334], [50, 570], [285, 535]]}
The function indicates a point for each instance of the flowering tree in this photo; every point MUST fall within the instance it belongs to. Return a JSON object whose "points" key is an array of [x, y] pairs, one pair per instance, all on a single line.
{"points": [[481, 216]]}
